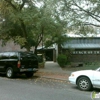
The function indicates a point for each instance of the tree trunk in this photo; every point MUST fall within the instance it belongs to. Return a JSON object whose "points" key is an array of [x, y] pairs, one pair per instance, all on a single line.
{"points": [[35, 50], [28, 48], [59, 49]]}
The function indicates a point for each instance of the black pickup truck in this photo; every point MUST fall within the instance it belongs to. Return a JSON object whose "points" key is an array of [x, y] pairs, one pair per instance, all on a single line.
{"points": [[12, 63]]}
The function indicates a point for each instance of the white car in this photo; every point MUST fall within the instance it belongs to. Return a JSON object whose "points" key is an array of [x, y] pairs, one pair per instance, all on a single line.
{"points": [[86, 79]]}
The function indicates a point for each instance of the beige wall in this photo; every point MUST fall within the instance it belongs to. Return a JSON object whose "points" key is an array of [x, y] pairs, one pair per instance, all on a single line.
{"points": [[10, 46]]}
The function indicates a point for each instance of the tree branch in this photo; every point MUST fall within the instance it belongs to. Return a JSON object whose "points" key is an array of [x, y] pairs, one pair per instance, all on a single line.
{"points": [[23, 28], [39, 39], [22, 5], [9, 2], [92, 24], [89, 13]]}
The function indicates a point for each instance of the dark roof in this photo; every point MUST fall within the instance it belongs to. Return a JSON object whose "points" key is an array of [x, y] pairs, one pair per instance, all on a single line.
{"points": [[82, 43]]}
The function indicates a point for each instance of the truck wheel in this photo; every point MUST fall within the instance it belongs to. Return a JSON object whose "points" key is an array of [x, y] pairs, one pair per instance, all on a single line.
{"points": [[9, 72], [29, 74]]}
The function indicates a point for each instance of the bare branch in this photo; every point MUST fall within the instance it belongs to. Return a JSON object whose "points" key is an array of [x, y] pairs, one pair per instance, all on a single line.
{"points": [[92, 24], [89, 13]]}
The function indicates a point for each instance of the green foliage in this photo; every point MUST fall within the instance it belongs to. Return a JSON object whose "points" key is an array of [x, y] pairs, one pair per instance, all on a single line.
{"points": [[84, 16], [29, 26], [20, 40], [48, 21], [56, 38], [62, 59], [68, 54]]}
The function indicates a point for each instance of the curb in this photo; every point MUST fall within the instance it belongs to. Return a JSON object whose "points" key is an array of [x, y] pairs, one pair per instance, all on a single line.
{"points": [[55, 78], [52, 75]]}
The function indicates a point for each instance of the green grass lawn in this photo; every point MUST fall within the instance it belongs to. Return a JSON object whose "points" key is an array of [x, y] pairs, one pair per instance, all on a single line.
{"points": [[86, 66]]}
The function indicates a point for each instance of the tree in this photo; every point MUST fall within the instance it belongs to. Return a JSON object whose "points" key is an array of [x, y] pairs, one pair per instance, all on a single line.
{"points": [[91, 13], [28, 24], [15, 22], [85, 15]]}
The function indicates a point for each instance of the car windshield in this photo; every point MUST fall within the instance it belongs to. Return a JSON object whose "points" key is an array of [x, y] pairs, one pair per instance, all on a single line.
{"points": [[98, 69]]}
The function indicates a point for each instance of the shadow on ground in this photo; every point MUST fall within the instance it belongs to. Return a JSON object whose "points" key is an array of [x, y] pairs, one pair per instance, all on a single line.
{"points": [[22, 76]]}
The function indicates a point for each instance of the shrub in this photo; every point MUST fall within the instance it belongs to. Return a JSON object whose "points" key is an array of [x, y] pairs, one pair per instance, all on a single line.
{"points": [[62, 59], [42, 65], [41, 61]]}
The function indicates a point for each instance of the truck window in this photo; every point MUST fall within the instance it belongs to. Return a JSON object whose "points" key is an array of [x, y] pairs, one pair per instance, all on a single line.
{"points": [[13, 55], [5, 55], [27, 56], [1, 55]]}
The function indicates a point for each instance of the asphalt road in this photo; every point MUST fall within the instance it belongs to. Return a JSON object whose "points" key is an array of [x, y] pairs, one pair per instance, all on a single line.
{"points": [[37, 88]]}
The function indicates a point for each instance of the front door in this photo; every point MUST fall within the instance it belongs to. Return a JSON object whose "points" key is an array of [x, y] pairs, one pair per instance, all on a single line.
{"points": [[96, 78]]}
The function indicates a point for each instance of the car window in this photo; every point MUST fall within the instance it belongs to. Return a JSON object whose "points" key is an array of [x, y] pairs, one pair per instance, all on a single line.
{"points": [[98, 69]]}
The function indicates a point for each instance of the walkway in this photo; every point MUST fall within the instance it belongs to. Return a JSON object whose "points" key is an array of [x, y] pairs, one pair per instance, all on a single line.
{"points": [[53, 70]]}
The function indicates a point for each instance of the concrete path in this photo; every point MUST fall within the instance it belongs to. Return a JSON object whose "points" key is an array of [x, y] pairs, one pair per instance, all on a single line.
{"points": [[54, 71], [52, 66]]}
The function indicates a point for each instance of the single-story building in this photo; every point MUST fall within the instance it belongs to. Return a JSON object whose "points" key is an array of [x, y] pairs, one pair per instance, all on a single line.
{"points": [[50, 53], [83, 49]]}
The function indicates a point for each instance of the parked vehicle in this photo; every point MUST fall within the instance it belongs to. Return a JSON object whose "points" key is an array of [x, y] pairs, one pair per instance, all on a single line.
{"points": [[12, 63], [86, 79]]}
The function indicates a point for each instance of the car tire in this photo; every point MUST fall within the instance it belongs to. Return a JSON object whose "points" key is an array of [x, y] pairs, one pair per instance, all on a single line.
{"points": [[9, 72], [29, 74], [84, 84]]}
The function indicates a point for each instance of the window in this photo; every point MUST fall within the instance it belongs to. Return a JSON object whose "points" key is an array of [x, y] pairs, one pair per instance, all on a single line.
{"points": [[1, 55], [5, 55], [13, 55]]}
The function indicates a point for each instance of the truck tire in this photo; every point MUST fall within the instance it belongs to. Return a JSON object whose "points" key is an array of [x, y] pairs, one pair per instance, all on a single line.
{"points": [[9, 72]]}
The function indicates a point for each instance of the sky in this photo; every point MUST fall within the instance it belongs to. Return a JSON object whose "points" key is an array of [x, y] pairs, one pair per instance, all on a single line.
{"points": [[75, 35]]}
